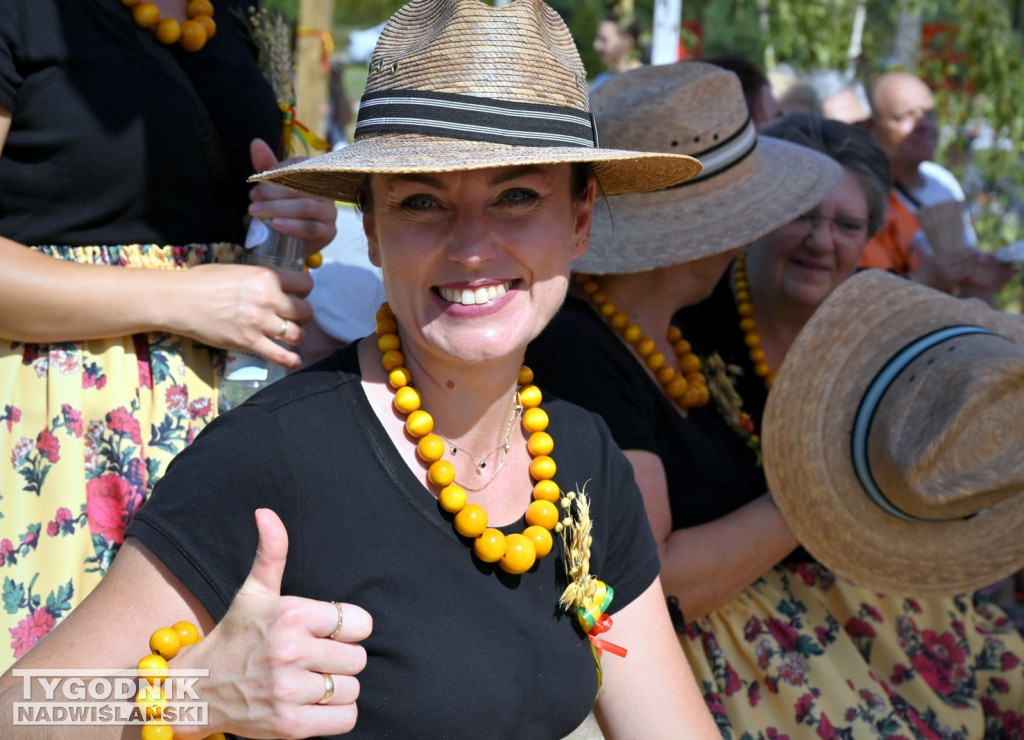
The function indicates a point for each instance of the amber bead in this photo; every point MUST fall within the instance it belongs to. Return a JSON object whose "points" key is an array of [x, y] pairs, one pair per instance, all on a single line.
{"points": [[540, 443], [471, 521], [315, 260], [168, 31], [146, 15], [187, 633], [535, 420], [156, 664], [520, 554], [530, 396], [441, 473], [542, 467], [452, 498], [199, 7], [546, 490], [542, 514], [430, 448], [541, 539], [419, 423], [490, 545], [165, 642], [193, 36], [407, 399], [157, 730]]}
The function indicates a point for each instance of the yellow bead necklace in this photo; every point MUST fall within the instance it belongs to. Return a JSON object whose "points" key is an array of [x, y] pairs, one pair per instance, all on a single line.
{"points": [[191, 35], [514, 553], [745, 308], [687, 385]]}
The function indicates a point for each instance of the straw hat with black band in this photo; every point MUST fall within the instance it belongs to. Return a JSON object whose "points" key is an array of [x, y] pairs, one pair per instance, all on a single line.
{"points": [[518, 96], [892, 438], [749, 186]]}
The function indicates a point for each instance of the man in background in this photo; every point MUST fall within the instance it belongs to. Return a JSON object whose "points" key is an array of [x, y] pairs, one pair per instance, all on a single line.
{"points": [[904, 124]]}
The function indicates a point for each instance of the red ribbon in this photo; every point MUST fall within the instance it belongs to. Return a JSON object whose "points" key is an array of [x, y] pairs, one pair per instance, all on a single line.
{"points": [[603, 625]]}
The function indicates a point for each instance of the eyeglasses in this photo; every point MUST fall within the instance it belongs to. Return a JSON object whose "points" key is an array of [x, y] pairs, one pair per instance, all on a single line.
{"points": [[845, 227]]}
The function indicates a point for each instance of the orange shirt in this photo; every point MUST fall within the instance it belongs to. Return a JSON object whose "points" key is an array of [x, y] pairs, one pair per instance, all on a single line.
{"points": [[891, 248]]}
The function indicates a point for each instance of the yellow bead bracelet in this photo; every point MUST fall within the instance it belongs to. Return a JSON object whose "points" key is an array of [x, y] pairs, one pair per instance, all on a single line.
{"points": [[165, 644]]}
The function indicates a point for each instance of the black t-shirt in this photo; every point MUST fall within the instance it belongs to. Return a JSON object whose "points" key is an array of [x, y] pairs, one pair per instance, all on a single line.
{"points": [[104, 142], [459, 648], [713, 325], [710, 469]]}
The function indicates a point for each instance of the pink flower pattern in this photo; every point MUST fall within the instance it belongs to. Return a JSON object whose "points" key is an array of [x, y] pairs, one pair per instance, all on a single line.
{"points": [[30, 630], [125, 453], [775, 673]]}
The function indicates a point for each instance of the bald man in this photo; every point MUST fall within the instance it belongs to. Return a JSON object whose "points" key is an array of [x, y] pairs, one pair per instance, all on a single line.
{"points": [[904, 124]]}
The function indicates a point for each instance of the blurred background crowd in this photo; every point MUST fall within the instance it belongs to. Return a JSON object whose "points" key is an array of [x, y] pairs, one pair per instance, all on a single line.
{"points": [[969, 52]]}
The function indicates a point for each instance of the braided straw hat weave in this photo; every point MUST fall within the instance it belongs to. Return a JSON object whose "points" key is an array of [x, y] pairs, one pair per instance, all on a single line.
{"points": [[892, 438], [458, 85], [749, 186]]}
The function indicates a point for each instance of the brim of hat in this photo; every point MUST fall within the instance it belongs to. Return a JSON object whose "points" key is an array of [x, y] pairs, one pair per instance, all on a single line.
{"points": [[772, 186], [806, 440], [337, 174]]}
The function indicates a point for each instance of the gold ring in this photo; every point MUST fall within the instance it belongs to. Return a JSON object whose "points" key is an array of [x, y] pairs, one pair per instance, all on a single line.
{"points": [[328, 688], [284, 328], [341, 619]]}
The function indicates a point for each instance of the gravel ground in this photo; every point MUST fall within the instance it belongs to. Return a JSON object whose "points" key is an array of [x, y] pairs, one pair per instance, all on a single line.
{"points": [[587, 731]]}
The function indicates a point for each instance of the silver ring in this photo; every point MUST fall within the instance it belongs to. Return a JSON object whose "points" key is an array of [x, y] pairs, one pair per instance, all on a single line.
{"points": [[341, 619], [284, 328], [328, 688]]}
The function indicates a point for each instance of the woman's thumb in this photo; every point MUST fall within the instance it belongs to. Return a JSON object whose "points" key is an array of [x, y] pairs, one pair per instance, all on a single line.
{"points": [[271, 554]]}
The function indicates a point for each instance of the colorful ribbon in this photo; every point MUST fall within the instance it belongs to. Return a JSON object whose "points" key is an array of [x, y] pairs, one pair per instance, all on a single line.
{"points": [[326, 44], [603, 625], [293, 127]]}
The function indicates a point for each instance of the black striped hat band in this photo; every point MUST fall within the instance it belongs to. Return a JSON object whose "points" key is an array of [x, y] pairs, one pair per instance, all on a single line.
{"points": [[474, 119]]}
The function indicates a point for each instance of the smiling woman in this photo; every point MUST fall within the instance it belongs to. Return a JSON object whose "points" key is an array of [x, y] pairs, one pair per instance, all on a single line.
{"points": [[490, 245], [489, 578]]}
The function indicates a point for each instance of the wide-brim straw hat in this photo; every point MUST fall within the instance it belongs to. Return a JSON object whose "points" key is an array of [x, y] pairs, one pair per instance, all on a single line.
{"points": [[892, 438], [749, 186], [459, 85]]}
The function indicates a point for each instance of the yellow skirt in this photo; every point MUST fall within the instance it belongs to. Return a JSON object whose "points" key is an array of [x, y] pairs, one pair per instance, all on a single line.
{"points": [[86, 430], [802, 654]]}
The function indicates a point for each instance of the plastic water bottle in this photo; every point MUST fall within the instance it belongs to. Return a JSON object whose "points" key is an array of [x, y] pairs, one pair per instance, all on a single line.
{"points": [[245, 372]]}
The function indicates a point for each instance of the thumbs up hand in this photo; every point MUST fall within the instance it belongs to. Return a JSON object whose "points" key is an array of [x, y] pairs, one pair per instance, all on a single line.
{"points": [[281, 666]]}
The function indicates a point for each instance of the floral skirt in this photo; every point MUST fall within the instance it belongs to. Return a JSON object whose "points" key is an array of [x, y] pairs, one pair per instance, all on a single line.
{"points": [[802, 654], [86, 430]]}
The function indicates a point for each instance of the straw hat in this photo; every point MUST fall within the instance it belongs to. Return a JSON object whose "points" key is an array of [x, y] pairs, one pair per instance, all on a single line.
{"points": [[750, 184], [892, 438], [457, 85]]}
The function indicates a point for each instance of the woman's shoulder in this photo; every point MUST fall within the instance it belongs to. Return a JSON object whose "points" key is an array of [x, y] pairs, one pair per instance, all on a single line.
{"points": [[334, 374]]}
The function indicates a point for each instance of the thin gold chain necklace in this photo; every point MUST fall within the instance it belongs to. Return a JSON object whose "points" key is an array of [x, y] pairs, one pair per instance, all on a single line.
{"points": [[501, 448]]}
